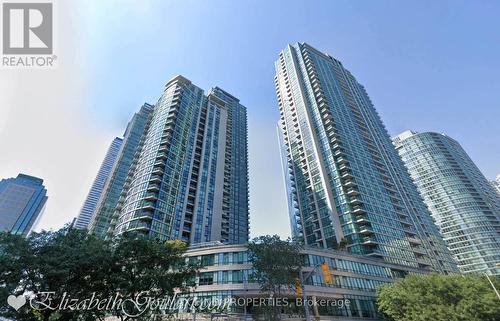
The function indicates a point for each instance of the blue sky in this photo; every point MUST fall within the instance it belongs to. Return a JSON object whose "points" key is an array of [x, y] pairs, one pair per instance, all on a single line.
{"points": [[427, 66]]}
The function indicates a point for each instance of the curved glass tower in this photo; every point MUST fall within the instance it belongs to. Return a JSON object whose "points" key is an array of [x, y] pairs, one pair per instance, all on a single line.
{"points": [[100, 222], [346, 182], [463, 203]]}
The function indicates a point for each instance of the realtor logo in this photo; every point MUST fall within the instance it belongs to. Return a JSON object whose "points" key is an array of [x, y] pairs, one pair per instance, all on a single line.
{"points": [[27, 28], [29, 38]]}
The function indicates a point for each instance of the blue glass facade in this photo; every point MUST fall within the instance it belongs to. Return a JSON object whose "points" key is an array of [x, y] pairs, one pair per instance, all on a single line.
{"points": [[344, 178], [235, 227], [95, 192], [189, 178], [22, 200], [100, 223], [464, 205]]}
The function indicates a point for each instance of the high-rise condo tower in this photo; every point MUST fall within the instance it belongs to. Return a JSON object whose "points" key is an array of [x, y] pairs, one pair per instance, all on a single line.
{"points": [[346, 182], [464, 205], [188, 179]]}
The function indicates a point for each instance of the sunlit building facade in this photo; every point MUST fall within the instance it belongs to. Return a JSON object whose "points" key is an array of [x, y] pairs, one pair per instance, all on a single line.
{"points": [[189, 178], [464, 205], [227, 273], [89, 206], [345, 180], [100, 223]]}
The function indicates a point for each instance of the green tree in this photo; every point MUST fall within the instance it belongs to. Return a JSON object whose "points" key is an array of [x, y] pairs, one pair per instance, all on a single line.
{"points": [[67, 261], [341, 246], [150, 268], [276, 263], [436, 297], [73, 262]]}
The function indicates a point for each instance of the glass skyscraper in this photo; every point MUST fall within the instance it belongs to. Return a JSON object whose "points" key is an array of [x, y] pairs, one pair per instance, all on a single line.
{"points": [[345, 180], [22, 201], [95, 192], [463, 203], [496, 184], [188, 179], [134, 134]]}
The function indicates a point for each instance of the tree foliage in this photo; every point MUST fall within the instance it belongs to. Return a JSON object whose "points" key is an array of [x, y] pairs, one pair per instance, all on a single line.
{"points": [[79, 265], [276, 262], [438, 297]]}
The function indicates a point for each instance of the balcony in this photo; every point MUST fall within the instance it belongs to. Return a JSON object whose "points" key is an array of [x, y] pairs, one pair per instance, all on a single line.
{"points": [[365, 230], [413, 240], [394, 198], [346, 175], [385, 177], [410, 232], [352, 192], [154, 187], [355, 201], [375, 254], [160, 164], [155, 179], [342, 160], [168, 128], [390, 188], [419, 251], [145, 216], [403, 215], [338, 152], [344, 167], [162, 155], [405, 223], [369, 241], [423, 262], [349, 183], [335, 140], [137, 224], [358, 210], [148, 206], [363, 220], [157, 170], [151, 196]]}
